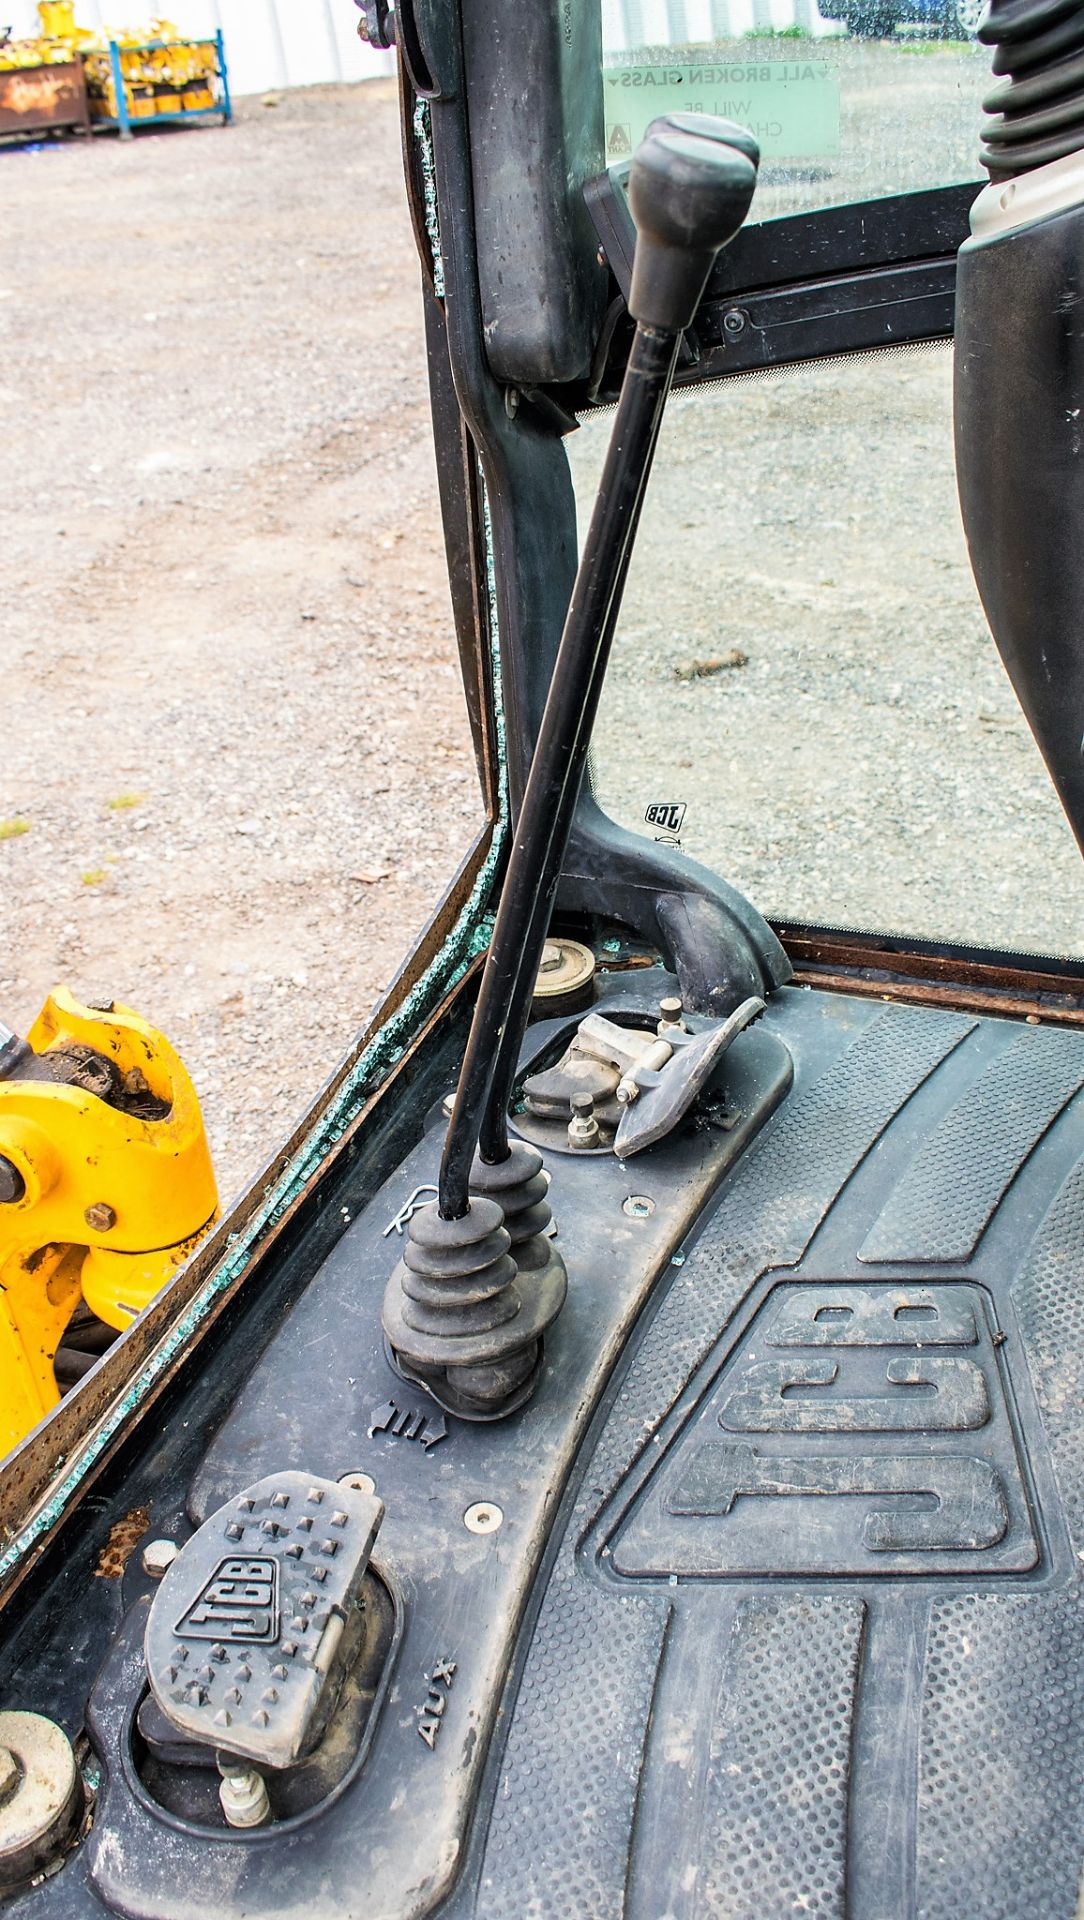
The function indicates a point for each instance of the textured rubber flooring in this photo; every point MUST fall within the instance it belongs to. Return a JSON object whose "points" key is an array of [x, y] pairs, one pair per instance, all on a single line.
{"points": [[812, 1641]]}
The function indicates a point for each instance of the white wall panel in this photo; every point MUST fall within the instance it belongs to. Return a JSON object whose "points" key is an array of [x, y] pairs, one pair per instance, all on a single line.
{"points": [[630, 24]]}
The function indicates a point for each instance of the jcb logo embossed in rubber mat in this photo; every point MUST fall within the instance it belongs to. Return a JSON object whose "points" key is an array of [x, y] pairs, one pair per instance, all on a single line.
{"points": [[855, 1429]]}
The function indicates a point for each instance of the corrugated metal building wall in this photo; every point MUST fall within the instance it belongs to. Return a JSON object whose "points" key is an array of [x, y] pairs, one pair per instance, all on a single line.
{"points": [[677, 23], [300, 43]]}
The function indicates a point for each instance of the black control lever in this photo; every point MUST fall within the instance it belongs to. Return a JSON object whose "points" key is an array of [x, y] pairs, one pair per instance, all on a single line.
{"points": [[465, 1310], [494, 1126], [1019, 371], [689, 194]]}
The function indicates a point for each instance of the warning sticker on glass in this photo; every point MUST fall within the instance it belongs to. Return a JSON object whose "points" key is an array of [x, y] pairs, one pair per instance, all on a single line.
{"points": [[791, 106]]}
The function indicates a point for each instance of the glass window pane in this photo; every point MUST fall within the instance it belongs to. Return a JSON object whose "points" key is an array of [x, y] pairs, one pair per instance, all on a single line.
{"points": [[889, 103], [803, 663]]}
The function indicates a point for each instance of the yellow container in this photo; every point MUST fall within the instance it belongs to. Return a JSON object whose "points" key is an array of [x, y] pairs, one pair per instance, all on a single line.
{"points": [[167, 103], [58, 19]]}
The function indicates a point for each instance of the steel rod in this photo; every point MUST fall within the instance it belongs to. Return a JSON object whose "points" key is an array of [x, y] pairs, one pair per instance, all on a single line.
{"points": [[545, 816], [493, 1137]]}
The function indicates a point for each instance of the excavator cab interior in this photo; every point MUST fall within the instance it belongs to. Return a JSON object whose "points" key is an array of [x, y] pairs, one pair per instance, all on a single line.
{"points": [[625, 1457]]}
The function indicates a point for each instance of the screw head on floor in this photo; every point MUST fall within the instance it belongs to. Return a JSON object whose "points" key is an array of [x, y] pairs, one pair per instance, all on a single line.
{"points": [[483, 1517], [638, 1206], [158, 1557]]}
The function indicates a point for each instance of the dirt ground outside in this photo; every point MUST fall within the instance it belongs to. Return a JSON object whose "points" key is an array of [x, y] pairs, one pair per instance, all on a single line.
{"points": [[233, 723], [817, 684], [236, 772]]}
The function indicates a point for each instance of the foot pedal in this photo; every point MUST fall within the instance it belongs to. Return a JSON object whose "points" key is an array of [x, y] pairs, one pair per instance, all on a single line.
{"points": [[256, 1621]]}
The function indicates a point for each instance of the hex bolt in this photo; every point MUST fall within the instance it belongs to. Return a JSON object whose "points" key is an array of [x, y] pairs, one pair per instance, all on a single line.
{"points": [[100, 1216], [735, 322], [243, 1793], [670, 1014], [551, 957], [12, 1184], [583, 1128], [158, 1557]]}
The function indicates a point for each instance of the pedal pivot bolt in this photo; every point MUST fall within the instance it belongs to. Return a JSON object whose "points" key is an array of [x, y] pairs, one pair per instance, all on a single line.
{"points": [[583, 1128], [243, 1793], [12, 1184]]}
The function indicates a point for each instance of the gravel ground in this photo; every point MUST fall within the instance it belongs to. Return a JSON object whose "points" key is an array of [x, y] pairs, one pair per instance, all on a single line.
{"points": [[234, 729], [224, 594], [867, 765]]}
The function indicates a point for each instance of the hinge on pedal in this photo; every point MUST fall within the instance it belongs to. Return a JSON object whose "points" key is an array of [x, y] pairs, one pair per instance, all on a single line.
{"points": [[377, 23]]}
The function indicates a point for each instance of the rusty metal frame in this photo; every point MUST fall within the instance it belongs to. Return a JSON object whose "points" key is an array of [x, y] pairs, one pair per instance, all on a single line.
{"points": [[1017, 986]]}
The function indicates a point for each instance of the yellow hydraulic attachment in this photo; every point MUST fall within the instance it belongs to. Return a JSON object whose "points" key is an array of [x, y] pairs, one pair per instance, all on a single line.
{"points": [[106, 1185]]}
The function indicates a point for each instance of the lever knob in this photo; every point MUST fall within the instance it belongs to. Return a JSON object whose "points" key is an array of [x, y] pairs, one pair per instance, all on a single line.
{"points": [[689, 194], [709, 126]]}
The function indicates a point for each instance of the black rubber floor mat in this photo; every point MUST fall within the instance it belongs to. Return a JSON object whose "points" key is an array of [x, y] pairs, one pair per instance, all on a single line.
{"points": [[813, 1637]]}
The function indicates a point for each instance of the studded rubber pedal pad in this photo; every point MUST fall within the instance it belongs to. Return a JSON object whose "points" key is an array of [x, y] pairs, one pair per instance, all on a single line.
{"points": [[247, 1628]]}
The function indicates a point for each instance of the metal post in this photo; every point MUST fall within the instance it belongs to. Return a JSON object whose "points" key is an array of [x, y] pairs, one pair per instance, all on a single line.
{"points": [[227, 104], [120, 92]]}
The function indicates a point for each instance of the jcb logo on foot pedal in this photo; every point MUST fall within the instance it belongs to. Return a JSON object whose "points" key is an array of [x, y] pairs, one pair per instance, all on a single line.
{"points": [[240, 1602], [855, 1429]]}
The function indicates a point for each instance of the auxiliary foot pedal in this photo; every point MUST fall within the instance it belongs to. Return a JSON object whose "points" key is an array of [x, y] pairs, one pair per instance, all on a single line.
{"points": [[258, 1618]]}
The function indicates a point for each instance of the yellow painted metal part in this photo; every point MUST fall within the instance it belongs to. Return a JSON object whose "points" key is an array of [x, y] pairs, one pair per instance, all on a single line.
{"points": [[148, 1185]]}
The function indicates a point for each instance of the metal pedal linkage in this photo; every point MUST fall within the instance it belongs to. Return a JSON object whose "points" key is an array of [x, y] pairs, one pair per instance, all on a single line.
{"points": [[657, 1092], [256, 1621], [648, 1081]]}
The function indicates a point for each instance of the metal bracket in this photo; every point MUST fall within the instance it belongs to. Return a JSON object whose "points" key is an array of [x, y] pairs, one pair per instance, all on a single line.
{"points": [[659, 1093], [641, 1082], [377, 23]]}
